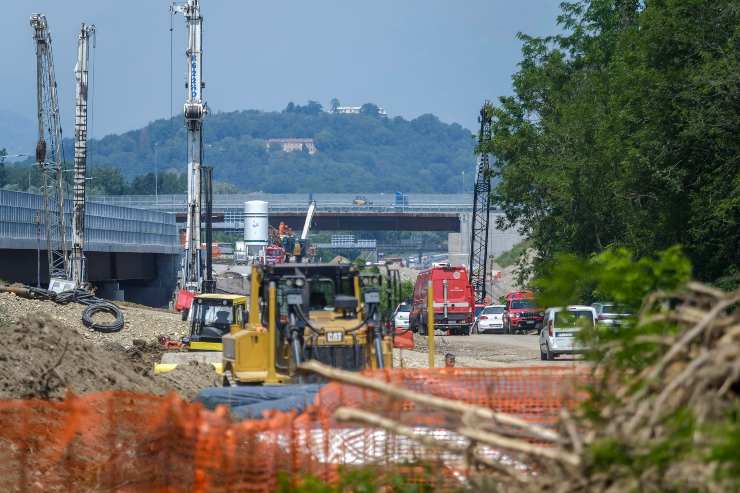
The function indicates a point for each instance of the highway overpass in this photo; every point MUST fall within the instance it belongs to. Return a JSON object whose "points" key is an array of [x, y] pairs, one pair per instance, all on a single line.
{"points": [[132, 254], [335, 212], [344, 212]]}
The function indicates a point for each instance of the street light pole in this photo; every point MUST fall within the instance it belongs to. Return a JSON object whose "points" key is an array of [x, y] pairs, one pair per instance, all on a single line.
{"points": [[156, 176]]}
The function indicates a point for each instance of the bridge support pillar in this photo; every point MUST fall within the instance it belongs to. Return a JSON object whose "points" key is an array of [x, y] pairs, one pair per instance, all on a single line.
{"points": [[111, 290]]}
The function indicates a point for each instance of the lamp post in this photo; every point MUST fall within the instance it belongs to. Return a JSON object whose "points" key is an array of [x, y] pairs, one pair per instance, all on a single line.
{"points": [[156, 176]]}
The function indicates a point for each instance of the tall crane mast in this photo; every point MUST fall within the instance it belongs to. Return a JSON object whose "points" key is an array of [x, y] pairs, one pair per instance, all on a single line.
{"points": [[48, 151], [77, 260], [191, 275], [479, 224]]}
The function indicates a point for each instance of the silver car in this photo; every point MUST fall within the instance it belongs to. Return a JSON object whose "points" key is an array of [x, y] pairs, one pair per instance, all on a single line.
{"points": [[610, 314], [560, 326]]}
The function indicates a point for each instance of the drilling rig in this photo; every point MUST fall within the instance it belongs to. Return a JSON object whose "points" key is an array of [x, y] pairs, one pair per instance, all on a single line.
{"points": [[191, 272], [78, 272], [479, 224], [49, 154]]}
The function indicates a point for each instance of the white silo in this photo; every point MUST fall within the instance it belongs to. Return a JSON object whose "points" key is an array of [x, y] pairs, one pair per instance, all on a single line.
{"points": [[255, 226]]}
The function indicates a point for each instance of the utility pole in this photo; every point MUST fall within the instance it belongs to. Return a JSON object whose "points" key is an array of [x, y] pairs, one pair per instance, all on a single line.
{"points": [[156, 176], [78, 272], [37, 221]]}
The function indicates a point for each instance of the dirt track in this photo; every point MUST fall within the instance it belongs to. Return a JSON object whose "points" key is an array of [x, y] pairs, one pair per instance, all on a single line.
{"points": [[481, 351]]}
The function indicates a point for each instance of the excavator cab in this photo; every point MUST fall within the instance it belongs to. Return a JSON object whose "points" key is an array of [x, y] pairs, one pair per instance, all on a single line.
{"points": [[212, 316], [323, 312]]}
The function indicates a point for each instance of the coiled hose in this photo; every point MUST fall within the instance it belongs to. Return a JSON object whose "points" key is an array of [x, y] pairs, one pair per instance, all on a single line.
{"points": [[93, 305]]}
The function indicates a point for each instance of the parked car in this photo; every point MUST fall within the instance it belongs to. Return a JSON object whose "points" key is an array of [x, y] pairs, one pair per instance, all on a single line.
{"points": [[610, 314], [521, 313], [490, 319], [401, 315], [453, 300], [558, 336]]}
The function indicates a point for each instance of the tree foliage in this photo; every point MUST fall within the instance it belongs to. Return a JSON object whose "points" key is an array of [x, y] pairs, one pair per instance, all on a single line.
{"points": [[623, 131], [356, 153]]}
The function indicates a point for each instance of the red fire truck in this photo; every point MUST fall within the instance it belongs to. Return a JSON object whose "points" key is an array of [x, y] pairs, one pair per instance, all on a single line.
{"points": [[453, 300]]}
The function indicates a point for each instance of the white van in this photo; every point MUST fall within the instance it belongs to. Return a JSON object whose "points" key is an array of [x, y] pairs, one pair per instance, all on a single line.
{"points": [[560, 326]]}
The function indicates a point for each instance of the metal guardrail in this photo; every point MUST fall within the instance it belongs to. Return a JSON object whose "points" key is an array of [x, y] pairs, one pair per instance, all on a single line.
{"points": [[298, 203]]}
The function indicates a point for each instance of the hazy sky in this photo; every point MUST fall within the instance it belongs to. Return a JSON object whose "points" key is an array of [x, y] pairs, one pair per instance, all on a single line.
{"points": [[409, 56]]}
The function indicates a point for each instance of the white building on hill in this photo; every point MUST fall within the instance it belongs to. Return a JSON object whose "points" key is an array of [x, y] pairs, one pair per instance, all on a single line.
{"points": [[292, 145]]}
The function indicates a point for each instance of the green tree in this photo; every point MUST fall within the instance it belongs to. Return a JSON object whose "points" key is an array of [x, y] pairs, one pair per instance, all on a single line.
{"points": [[370, 109], [623, 130], [107, 180], [3, 153], [334, 104]]}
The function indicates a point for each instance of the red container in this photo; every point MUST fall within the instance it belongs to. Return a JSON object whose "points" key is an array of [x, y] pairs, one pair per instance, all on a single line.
{"points": [[184, 300], [403, 338]]}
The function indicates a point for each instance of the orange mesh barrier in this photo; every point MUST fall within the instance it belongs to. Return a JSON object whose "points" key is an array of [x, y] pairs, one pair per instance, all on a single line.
{"points": [[124, 442]]}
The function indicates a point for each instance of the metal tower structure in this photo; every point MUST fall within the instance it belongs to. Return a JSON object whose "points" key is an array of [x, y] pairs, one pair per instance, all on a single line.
{"points": [[48, 150], [191, 275], [78, 272], [209, 284], [479, 225]]}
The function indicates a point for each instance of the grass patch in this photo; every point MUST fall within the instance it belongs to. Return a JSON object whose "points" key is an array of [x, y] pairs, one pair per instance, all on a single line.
{"points": [[510, 257]]}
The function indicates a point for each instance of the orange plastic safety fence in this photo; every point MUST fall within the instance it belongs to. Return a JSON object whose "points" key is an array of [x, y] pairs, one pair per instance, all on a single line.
{"points": [[118, 441]]}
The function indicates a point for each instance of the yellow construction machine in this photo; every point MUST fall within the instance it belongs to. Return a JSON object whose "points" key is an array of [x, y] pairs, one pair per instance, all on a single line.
{"points": [[299, 312], [211, 316]]}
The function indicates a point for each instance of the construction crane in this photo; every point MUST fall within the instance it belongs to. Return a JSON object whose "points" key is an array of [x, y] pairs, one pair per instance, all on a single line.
{"points": [[49, 153], [191, 274], [78, 272], [479, 225]]}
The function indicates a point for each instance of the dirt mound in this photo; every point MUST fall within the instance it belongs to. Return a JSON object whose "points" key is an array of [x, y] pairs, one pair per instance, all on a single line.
{"points": [[190, 378], [43, 359]]}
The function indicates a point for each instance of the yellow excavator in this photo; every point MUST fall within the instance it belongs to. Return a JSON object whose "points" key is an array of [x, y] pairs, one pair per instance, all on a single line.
{"points": [[211, 316], [298, 312]]}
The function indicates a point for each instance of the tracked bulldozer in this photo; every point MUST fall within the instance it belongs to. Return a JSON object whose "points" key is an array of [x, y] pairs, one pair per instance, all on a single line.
{"points": [[299, 312], [211, 316]]}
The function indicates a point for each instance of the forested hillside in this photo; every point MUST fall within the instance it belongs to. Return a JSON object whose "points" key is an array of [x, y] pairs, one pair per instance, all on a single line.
{"points": [[355, 153], [623, 131]]}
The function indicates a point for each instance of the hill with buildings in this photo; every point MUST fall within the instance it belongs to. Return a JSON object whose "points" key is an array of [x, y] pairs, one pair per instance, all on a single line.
{"points": [[300, 149]]}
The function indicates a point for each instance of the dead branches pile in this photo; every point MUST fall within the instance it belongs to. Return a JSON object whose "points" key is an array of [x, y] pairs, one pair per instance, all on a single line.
{"points": [[655, 434], [647, 427]]}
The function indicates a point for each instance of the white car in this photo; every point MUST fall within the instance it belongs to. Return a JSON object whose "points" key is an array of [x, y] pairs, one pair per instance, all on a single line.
{"points": [[490, 319], [401, 315], [560, 326]]}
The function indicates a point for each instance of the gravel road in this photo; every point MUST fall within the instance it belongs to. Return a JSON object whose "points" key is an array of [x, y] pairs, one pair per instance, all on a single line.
{"points": [[483, 351]]}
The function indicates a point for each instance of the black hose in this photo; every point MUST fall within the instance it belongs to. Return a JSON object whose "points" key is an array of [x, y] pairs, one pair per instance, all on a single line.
{"points": [[379, 351], [93, 305], [103, 307]]}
